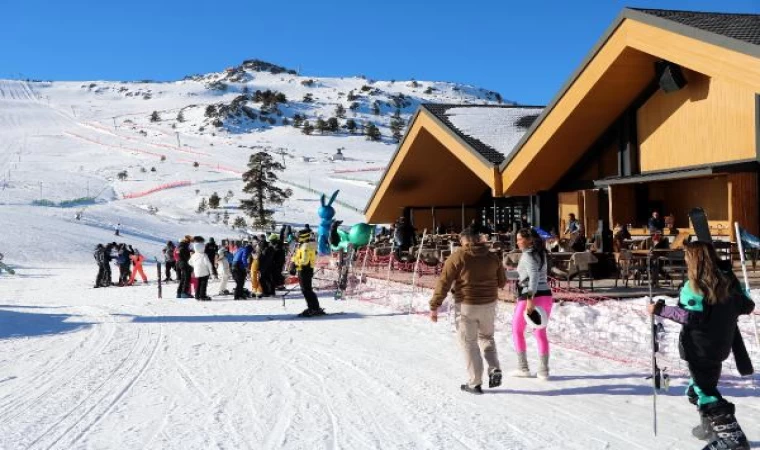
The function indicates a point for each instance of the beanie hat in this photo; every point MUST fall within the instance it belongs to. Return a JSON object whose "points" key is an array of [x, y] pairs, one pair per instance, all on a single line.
{"points": [[273, 237], [304, 236]]}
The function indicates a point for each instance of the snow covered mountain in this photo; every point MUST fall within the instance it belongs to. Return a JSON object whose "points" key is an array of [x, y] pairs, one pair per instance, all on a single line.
{"points": [[145, 154]]}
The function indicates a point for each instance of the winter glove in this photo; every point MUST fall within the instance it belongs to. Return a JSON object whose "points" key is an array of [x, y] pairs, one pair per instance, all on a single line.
{"points": [[658, 307], [292, 270]]}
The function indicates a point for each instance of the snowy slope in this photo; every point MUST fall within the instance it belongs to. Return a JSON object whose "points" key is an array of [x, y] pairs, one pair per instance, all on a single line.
{"points": [[67, 141]]}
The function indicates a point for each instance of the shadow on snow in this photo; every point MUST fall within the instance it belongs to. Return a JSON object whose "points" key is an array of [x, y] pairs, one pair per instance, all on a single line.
{"points": [[15, 324]]}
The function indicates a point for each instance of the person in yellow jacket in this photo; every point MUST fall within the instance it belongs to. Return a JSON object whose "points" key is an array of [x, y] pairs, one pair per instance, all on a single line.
{"points": [[302, 263], [255, 282]]}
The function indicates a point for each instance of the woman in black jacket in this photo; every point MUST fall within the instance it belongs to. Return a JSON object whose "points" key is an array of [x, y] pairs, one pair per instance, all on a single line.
{"points": [[708, 309]]}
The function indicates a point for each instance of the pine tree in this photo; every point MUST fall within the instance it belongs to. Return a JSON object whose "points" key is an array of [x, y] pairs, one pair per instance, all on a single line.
{"points": [[340, 111], [351, 96], [154, 117], [397, 125], [239, 222], [351, 126], [202, 206], [372, 132], [307, 128], [354, 106], [376, 108], [308, 98], [213, 201], [297, 120], [321, 126], [261, 179], [333, 125], [180, 116]]}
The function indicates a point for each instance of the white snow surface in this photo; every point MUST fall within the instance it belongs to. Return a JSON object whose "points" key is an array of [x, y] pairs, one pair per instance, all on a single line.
{"points": [[496, 127], [118, 368]]}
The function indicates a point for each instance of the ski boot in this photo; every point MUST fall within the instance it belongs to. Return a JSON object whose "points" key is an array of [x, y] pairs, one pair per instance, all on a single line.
{"points": [[723, 424], [494, 378], [477, 390], [703, 431]]}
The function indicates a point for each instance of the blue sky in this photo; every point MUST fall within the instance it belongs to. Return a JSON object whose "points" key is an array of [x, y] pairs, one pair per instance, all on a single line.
{"points": [[523, 49]]}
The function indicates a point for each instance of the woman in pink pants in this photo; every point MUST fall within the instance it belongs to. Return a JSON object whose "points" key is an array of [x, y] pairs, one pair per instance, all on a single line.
{"points": [[534, 291]]}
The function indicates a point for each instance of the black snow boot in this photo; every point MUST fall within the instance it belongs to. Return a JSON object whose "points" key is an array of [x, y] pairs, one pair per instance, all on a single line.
{"points": [[477, 390], [728, 433], [494, 378]]}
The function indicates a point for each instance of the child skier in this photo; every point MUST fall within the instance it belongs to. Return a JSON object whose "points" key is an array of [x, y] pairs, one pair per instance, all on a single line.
{"points": [[137, 263], [303, 263], [122, 259], [708, 309]]}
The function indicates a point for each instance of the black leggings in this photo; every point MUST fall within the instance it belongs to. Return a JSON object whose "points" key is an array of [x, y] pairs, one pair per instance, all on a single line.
{"points": [[238, 274], [183, 276], [200, 294], [169, 266]]}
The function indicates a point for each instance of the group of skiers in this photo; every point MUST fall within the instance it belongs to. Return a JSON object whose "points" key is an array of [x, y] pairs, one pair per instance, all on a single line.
{"points": [[709, 306], [129, 260]]}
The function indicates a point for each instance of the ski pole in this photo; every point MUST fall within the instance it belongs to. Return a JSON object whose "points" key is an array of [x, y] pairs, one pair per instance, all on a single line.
{"points": [[746, 277], [653, 338]]}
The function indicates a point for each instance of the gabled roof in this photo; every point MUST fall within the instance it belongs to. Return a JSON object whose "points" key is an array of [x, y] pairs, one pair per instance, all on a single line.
{"points": [[741, 27], [491, 130], [628, 57]]}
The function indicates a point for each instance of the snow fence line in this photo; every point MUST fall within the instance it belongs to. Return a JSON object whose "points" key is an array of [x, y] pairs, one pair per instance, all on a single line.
{"points": [[157, 189], [366, 169], [614, 330]]}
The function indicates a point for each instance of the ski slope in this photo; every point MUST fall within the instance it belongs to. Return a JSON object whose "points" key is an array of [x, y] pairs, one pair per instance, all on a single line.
{"points": [[117, 368]]}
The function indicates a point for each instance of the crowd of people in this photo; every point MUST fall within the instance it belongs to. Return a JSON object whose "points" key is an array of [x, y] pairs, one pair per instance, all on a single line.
{"points": [[193, 262]]}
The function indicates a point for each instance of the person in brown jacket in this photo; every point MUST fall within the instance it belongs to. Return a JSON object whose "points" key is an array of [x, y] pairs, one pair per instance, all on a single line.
{"points": [[476, 275]]}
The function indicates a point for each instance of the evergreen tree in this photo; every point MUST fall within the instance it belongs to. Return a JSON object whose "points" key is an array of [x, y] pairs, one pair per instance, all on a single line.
{"points": [[180, 116], [154, 117], [397, 125], [332, 125], [354, 106], [261, 179], [321, 126], [239, 222], [213, 201], [308, 98], [297, 120], [352, 96], [376, 108], [307, 128], [210, 111], [340, 111], [202, 206], [372, 132], [351, 126]]}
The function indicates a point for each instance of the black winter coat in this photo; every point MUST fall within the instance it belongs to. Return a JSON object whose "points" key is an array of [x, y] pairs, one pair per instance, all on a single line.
{"points": [[184, 252]]}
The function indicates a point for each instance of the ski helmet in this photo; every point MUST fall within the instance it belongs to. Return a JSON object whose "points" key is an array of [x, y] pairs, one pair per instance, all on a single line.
{"points": [[537, 320]]}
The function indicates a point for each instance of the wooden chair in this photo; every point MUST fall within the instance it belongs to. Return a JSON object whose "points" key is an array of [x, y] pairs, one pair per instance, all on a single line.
{"points": [[579, 266]]}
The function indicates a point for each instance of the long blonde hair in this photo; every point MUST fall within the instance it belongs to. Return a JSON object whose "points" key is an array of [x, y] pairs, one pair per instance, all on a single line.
{"points": [[704, 274]]}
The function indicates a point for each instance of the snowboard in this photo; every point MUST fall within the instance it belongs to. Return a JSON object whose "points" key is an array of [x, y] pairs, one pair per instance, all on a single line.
{"points": [[702, 230]]}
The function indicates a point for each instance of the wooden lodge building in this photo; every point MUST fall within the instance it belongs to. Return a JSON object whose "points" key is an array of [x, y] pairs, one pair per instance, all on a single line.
{"points": [[663, 114]]}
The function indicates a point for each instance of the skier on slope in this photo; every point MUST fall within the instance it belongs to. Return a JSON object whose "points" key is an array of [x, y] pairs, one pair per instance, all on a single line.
{"points": [[303, 262], [137, 262], [122, 259], [534, 292], [202, 270], [183, 268], [476, 275], [708, 310]]}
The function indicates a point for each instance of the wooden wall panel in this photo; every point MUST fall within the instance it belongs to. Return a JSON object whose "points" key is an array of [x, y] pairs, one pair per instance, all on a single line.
{"points": [[744, 203], [708, 121], [569, 202], [590, 211], [680, 196], [622, 205]]}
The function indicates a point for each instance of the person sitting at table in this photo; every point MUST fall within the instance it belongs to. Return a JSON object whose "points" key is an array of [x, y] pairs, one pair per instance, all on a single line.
{"points": [[660, 242], [523, 222], [573, 226], [621, 235], [656, 223]]}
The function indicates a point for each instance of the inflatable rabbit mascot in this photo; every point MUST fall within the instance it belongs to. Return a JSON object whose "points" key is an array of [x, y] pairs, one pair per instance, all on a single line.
{"points": [[326, 213]]}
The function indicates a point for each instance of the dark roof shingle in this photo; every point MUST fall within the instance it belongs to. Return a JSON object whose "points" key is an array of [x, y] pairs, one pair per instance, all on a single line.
{"points": [[488, 152], [742, 27]]}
